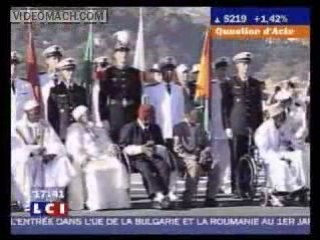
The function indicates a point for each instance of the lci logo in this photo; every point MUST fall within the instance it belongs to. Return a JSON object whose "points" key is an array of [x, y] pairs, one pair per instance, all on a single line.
{"points": [[54, 209]]}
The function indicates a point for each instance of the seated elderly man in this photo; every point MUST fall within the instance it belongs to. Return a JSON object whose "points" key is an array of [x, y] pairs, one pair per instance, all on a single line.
{"points": [[283, 160], [40, 159], [102, 180], [192, 145], [143, 143], [295, 110]]}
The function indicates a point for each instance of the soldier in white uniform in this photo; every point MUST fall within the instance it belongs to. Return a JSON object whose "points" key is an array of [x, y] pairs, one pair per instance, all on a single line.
{"points": [[49, 79], [155, 73], [220, 144], [183, 78], [21, 90]]}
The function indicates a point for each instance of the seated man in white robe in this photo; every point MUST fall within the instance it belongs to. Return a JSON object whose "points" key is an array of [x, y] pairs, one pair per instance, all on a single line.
{"points": [[102, 181], [283, 160], [41, 160]]}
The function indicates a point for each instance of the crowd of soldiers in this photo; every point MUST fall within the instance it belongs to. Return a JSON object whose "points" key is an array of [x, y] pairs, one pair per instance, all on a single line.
{"points": [[150, 127]]}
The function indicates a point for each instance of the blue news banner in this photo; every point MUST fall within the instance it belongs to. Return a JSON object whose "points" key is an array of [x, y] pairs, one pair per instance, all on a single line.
{"points": [[160, 225], [260, 16]]}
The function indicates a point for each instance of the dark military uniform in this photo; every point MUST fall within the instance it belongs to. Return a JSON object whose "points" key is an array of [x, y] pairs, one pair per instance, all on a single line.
{"points": [[62, 101], [241, 111], [120, 97]]}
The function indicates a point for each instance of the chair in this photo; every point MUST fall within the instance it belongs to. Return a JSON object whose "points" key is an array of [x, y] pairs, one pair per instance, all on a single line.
{"points": [[252, 175]]}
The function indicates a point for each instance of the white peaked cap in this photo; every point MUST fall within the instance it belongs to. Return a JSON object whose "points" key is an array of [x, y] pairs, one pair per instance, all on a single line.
{"points": [[122, 36], [283, 95], [195, 68], [182, 68], [54, 49], [67, 62], [155, 67], [30, 104], [102, 59], [242, 57], [79, 111], [16, 56]]}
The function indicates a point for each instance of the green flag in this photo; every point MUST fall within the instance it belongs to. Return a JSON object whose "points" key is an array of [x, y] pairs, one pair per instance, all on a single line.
{"points": [[86, 73]]}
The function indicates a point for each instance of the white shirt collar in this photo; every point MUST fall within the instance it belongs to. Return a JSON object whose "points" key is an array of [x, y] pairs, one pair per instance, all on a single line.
{"points": [[141, 124]]}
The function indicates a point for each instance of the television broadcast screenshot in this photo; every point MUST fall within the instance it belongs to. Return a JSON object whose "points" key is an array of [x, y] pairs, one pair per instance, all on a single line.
{"points": [[160, 120]]}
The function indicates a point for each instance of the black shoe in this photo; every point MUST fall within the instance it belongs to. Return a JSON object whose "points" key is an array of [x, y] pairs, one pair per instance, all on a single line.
{"points": [[188, 204], [165, 203], [303, 197], [211, 203], [156, 205]]}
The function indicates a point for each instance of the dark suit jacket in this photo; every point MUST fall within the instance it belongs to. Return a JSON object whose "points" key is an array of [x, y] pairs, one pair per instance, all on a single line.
{"points": [[242, 105], [132, 134], [184, 145], [63, 98]]}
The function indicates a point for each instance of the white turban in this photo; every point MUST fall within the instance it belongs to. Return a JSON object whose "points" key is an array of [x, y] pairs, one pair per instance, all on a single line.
{"points": [[79, 111], [30, 104]]}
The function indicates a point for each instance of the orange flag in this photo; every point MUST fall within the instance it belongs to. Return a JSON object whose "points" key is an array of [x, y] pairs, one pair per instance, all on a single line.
{"points": [[204, 76]]}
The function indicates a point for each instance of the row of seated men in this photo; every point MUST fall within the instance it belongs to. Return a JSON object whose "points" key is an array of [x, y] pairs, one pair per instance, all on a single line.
{"points": [[91, 167]]}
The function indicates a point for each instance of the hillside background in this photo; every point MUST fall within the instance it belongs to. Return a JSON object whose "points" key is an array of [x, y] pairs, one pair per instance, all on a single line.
{"points": [[168, 31]]}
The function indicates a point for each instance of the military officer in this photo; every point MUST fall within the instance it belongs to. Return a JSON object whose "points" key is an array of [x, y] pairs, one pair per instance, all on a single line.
{"points": [[21, 89], [100, 66], [193, 81], [120, 89], [183, 79], [64, 98], [242, 110], [49, 79], [156, 75], [220, 142]]}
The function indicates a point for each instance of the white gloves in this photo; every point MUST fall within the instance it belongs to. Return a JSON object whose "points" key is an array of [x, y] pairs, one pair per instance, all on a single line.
{"points": [[229, 133]]}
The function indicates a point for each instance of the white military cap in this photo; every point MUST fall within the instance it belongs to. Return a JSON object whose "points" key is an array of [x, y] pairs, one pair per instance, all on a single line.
{"points": [[155, 68], [122, 40], [79, 111], [67, 63], [30, 104], [168, 62], [102, 59], [243, 57], [182, 68], [221, 62], [54, 50], [195, 68], [16, 57], [275, 109], [283, 95]]}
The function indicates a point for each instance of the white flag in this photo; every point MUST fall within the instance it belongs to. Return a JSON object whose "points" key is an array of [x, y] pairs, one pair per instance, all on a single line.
{"points": [[139, 61]]}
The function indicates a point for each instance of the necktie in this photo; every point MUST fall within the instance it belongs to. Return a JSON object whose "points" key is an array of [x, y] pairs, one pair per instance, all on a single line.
{"points": [[169, 88]]}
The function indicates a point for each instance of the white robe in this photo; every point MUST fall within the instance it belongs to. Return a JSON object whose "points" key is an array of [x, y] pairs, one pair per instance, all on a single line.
{"points": [[29, 172], [23, 93], [220, 144], [281, 177], [102, 180], [169, 108]]}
